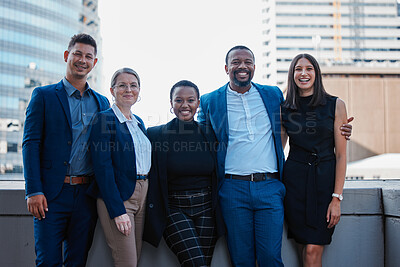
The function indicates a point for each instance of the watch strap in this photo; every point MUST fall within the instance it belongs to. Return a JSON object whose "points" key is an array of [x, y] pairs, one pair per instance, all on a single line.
{"points": [[339, 196]]}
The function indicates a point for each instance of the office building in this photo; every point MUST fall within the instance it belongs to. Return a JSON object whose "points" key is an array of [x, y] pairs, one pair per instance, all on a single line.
{"points": [[361, 33], [33, 36]]}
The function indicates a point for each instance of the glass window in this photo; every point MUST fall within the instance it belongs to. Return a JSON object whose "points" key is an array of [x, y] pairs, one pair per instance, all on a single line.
{"points": [[37, 42], [63, 7], [12, 147], [11, 80], [26, 61], [398, 8], [9, 102], [40, 22]]}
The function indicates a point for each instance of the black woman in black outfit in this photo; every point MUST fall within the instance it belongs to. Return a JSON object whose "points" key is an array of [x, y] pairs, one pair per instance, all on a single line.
{"points": [[182, 202]]}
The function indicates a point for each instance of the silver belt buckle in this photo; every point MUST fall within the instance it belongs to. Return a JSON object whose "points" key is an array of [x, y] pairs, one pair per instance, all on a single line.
{"points": [[70, 179], [252, 177]]}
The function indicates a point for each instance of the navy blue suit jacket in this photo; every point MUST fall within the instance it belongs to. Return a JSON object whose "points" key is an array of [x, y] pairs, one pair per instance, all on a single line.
{"points": [[213, 111], [114, 161], [157, 197], [47, 141]]}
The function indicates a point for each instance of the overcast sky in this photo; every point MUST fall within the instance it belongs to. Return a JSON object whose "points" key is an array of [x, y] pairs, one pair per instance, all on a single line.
{"points": [[168, 41]]}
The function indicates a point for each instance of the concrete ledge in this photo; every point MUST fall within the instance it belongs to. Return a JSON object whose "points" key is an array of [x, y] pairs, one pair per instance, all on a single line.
{"points": [[368, 234], [362, 201], [392, 242], [16, 202], [391, 202]]}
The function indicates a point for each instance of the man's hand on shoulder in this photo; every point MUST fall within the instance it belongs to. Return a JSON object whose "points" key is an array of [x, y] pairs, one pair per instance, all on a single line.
{"points": [[37, 206], [347, 128]]}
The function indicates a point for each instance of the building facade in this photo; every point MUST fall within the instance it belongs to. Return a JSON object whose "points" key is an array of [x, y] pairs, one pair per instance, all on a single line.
{"points": [[33, 36], [363, 33], [371, 96]]}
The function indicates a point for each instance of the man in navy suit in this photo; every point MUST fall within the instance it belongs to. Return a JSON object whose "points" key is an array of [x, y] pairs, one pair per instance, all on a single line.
{"points": [[245, 117], [57, 165]]}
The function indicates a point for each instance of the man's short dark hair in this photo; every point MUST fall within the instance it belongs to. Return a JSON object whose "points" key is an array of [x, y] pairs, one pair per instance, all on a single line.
{"points": [[83, 38], [238, 47]]}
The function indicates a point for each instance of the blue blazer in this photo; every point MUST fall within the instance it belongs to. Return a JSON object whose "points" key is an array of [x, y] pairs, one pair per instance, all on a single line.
{"points": [[213, 111], [157, 196], [47, 140], [114, 161]]}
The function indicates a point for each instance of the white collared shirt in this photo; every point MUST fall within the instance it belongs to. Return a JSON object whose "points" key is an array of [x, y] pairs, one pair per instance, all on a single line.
{"points": [[140, 141], [250, 146]]}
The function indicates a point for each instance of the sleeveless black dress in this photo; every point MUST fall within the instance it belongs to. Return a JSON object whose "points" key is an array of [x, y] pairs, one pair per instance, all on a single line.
{"points": [[309, 171]]}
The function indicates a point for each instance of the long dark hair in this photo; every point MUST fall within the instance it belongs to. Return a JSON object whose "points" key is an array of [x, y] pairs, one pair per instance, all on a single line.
{"points": [[292, 97]]}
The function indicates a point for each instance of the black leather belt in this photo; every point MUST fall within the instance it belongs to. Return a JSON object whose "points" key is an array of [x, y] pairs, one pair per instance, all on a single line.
{"points": [[254, 177]]}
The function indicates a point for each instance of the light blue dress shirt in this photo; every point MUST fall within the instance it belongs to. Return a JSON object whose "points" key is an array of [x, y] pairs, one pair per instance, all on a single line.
{"points": [[82, 108], [140, 142], [251, 145]]}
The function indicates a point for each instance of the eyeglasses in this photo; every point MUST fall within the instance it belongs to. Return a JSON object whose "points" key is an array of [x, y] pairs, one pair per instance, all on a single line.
{"points": [[123, 86]]}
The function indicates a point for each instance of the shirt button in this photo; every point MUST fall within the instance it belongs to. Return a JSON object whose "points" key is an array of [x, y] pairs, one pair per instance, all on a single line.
{"points": [[69, 143], [65, 163], [151, 206]]}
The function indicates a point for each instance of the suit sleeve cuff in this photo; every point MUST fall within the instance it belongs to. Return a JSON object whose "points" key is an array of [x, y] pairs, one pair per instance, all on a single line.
{"points": [[33, 194]]}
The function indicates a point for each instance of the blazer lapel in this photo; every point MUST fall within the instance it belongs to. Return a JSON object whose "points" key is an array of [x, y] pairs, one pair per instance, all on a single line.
{"points": [[142, 128], [127, 137], [208, 136], [265, 97], [219, 118], [62, 96], [162, 159], [101, 103]]}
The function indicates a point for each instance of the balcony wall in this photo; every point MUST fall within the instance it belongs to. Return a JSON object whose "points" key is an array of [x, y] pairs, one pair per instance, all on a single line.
{"points": [[367, 235]]}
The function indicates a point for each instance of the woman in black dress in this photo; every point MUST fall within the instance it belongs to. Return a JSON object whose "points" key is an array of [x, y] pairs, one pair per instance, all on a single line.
{"points": [[314, 172], [182, 202]]}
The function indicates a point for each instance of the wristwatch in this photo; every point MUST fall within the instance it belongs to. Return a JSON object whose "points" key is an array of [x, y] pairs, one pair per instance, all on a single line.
{"points": [[339, 196]]}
